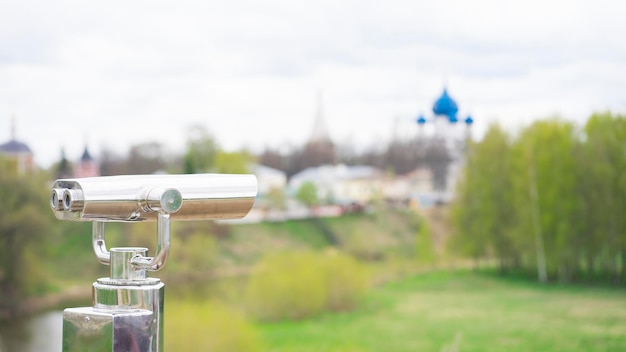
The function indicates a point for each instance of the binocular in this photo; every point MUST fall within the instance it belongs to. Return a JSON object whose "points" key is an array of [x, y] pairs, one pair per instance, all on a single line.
{"points": [[127, 314], [142, 197]]}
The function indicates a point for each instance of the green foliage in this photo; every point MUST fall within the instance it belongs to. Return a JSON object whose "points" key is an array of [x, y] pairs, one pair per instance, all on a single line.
{"points": [[483, 210], [603, 192], [201, 152], [307, 194], [232, 162], [548, 176], [361, 245], [287, 285], [297, 285], [347, 281], [25, 223], [208, 326], [424, 246], [70, 258], [37, 281], [192, 257], [377, 236], [552, 199]]}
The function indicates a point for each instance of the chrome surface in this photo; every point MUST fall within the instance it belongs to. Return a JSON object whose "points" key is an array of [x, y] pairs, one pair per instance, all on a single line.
{"points": [[135, 197], [120, 295], [93, 330], [121, 267], [127, 314], [163, 246], [99, 245], [138, 262]]}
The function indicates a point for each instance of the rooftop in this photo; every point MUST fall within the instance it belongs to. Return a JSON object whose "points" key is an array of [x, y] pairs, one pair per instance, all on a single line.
{"points": [[14, 147]]}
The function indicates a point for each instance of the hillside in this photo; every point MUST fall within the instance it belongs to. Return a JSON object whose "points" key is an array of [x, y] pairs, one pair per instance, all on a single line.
{"points": [[205, 251], [228, 250]]}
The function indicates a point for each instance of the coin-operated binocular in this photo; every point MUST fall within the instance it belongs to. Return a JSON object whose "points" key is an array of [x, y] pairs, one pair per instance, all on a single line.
{"points": [[127, 311]]}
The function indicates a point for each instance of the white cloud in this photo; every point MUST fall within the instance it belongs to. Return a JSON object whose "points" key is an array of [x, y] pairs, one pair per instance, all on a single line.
{"points": [[124, 72]]}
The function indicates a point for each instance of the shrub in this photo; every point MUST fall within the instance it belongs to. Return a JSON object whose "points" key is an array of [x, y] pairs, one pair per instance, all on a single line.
{"points": [[346, 279], [191, 258], [424, 246], [362, 246], [207, 326], [287, 286], [298, 285]]}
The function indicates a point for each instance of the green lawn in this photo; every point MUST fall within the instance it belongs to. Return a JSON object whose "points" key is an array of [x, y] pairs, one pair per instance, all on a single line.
{"points": [[465, 311]]}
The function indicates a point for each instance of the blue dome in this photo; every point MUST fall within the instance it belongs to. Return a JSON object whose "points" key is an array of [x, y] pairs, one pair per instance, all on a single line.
{"points": [[14, 147], [445, 106]]}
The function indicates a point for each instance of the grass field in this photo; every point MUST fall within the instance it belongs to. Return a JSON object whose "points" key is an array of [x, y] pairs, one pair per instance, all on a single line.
{"points": [[438, 311], [465, 311]]}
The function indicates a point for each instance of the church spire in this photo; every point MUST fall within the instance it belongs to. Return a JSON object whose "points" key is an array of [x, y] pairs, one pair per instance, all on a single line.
{"points": [[13, 136], [320, 132], [320, 149]]}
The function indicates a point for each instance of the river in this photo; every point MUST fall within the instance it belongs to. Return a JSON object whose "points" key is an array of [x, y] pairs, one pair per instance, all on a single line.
{"points": [[41, 333]]}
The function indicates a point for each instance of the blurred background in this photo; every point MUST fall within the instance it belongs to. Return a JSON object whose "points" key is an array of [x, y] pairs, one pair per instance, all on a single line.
{"points": [[433, 175]]}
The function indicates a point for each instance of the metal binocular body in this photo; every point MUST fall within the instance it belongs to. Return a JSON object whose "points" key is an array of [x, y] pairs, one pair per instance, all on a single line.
{"points": [[127, 311]]}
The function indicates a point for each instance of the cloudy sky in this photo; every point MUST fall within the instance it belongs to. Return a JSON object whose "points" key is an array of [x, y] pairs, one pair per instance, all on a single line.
{"points": [[117, 73]]}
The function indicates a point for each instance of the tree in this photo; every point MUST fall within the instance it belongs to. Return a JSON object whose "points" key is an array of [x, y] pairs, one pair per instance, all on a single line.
{"points": [[201, 151], [146, 158], [24, 219], [468, 238], [552, 200], [605, 195], [63, 169], [233, 162], [307, 194], [547, 203], [483, 212], [111, 163]]}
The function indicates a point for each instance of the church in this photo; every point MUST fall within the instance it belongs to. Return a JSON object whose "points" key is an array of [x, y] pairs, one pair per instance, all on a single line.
{"points": [[18, 152], [319, 149]]}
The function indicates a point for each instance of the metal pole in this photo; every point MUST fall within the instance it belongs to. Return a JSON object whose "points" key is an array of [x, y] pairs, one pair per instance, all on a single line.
{"points": [[127, 314]]}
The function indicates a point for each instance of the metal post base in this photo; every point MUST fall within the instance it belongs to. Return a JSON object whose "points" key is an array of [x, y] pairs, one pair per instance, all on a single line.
{"points": [[127, 315]]}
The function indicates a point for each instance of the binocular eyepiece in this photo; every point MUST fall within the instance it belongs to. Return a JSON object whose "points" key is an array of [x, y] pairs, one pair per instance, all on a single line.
{"points": [[142, 197]]}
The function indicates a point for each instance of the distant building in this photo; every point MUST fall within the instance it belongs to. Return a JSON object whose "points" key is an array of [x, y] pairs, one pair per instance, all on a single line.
{"points": [[415, 187], [320, 149], [448, 145], [271, 200], [341, 184], [86, 166], [19, 152], [268, 178]]}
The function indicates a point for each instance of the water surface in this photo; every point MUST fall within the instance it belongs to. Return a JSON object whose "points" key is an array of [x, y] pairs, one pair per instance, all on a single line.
{"points": [[40, 333]]}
